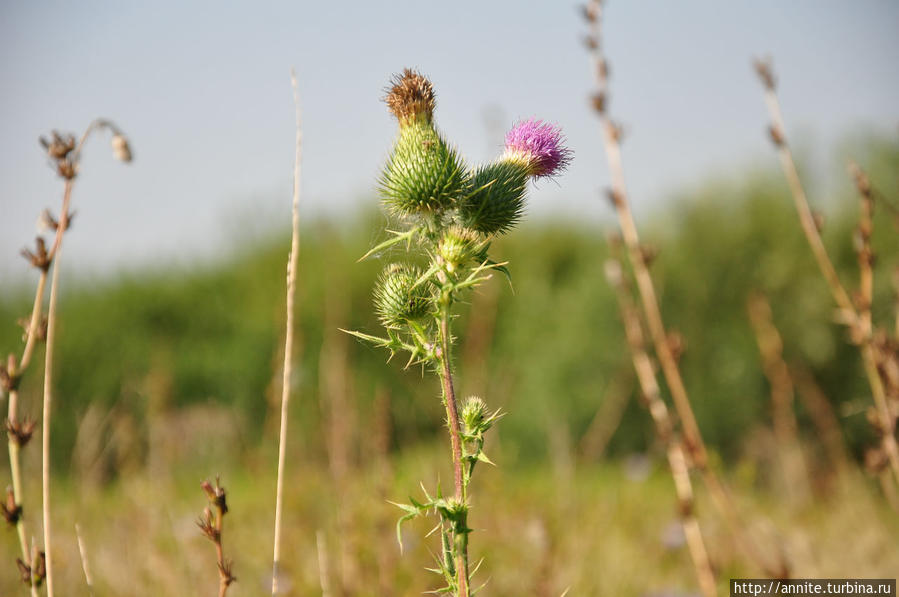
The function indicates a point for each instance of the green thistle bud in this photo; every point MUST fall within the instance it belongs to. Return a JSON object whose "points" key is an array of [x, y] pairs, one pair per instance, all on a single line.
{"points": [[475, 416], [496, 202], [396, 301], [424, 174], [458, 246]]}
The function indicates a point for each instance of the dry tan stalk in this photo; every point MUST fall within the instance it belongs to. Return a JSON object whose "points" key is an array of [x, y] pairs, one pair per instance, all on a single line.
{"points": [[608, 416], [288, 336], [48, 386], [857, 321], [818, 406], [85, 565], [324, 578], [638, 257], [664, 428], [782, 394]]}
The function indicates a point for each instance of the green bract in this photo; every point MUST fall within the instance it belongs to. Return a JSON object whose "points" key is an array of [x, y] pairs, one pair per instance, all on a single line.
{"points": [[496, 201], [424, 174], [458, 246], [397, 299]]}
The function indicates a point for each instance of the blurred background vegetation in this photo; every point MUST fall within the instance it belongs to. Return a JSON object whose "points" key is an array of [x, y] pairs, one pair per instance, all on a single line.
{"points": [[174, 372]]}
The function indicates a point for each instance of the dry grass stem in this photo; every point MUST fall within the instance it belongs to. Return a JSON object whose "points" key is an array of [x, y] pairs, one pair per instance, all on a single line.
{"points": [[48, 387], [639, 259], [857, 319], [85, 564], [608, 416], [664, 428], [288, 336], [786, 429]]}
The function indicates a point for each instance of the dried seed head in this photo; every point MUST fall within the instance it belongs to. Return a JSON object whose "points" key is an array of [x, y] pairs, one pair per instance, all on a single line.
{"points": [[411, 97], [120, 148]]}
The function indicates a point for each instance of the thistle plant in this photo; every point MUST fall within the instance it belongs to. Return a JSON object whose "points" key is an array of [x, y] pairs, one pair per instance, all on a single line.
{"points": [[447, 216]]}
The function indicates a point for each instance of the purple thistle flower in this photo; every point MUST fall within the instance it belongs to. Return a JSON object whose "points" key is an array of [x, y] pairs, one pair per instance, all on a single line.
{"points": [[539, 144]]}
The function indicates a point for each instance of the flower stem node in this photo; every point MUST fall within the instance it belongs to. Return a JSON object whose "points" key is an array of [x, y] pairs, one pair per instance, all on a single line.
{"points": [[398, 297]]}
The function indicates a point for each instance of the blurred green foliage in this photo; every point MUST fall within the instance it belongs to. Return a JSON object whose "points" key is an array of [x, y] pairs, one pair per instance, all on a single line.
{"points": [[155, 340]]}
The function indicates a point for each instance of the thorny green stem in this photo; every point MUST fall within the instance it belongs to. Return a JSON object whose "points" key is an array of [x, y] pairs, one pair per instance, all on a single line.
{"points": [[452, 414]]}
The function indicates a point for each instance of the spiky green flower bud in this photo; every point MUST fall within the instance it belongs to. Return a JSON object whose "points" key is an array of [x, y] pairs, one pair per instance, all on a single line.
{"points": [[397, 299], [474, 415], [496, 201], [458, 246], [424, 174]]}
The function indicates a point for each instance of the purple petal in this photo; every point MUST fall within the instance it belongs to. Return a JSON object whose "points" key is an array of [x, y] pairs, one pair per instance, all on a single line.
{"points": [[540, 143]]}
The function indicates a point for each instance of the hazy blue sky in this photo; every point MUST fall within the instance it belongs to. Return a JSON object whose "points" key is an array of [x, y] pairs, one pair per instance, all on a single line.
{"points": [[203, 91]]}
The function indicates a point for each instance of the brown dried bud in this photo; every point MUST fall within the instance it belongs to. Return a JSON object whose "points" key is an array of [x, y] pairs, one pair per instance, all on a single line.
{"points": [[58, 147], [10, 510], [602, 69], [66, 169], [20, 432], [41, 331], [226, 569], [676, 344], [206, 522], [591, 42], [39, 570], [765, 73], [875, 460], [685, 507], [24, 571], [216, 495], [411, 96], [615, 198], [40, 258], [589, 12], [599, 102], [777, 136], [818, 218], [617, 132], [648, 254]]}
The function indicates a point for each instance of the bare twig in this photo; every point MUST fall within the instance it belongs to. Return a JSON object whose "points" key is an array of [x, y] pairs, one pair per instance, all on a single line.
{"points": [[664, 428], [288, 337]]}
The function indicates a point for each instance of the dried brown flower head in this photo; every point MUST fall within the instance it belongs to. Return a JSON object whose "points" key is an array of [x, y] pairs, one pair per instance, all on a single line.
{"points": [[411, 96]]}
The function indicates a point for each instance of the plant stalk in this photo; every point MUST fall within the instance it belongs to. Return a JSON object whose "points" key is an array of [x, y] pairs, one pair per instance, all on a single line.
{"points": [[452, 418]]}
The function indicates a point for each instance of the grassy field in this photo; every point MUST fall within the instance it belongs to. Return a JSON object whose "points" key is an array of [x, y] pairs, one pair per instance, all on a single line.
{"points": [[169, 377]]}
